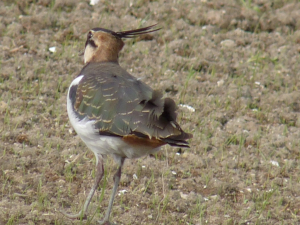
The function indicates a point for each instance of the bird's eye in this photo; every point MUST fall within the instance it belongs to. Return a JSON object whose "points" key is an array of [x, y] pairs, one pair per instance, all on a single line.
{"points": [[90, 35], [90, 41]]}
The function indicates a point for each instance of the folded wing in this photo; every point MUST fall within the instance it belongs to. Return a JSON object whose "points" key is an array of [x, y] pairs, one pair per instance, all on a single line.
{"points": [[121, 105]]}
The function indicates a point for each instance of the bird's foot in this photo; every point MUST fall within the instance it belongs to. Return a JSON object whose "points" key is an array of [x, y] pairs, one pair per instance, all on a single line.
{"points": [[79, 216], [106, 222]]}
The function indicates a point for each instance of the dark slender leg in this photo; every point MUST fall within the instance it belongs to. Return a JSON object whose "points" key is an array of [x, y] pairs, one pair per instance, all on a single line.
{"points": [[98, 177], [117, 178]]}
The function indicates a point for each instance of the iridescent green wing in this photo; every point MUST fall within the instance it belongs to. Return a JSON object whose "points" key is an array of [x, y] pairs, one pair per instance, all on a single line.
{"points": [[120, 104]]}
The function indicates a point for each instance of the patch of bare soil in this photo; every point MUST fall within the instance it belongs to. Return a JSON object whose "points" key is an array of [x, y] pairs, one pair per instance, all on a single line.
{"points": [[235, 62]]}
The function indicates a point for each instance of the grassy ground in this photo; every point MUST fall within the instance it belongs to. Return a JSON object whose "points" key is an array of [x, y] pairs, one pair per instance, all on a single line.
{"points": [[236, 63]]}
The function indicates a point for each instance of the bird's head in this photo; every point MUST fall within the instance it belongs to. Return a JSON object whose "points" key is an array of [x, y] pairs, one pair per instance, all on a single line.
{"points": [[104, 45]]}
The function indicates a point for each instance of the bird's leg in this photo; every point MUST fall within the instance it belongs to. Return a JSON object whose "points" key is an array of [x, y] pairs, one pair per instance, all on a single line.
{"points": [[98, 177], [117, 178]]}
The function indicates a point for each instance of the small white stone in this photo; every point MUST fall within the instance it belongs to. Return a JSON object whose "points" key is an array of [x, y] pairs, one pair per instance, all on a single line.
{"points": [[174, 173], [274, 163], [93, 2], [220, 83], [183, 196], [122, 192], [190, 108], [52, 49]]}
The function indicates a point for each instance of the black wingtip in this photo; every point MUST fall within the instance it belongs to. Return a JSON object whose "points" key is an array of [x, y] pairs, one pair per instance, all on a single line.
{"points": [[177, 143], [179, 140], [137, 32]]}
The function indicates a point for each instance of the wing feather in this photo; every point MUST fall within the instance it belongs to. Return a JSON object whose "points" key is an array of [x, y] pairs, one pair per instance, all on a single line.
{"points": [[122, 105]]}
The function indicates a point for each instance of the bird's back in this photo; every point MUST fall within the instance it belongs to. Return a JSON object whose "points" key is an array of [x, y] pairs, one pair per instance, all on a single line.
{"points": [[122, 106]]}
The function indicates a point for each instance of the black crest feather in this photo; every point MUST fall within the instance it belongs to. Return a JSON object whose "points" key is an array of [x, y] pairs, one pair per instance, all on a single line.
{"points": [[129, 33], [136, 32]]}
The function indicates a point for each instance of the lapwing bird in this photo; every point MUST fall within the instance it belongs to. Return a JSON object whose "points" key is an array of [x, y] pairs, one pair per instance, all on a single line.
{"points": [[115, 113]]}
